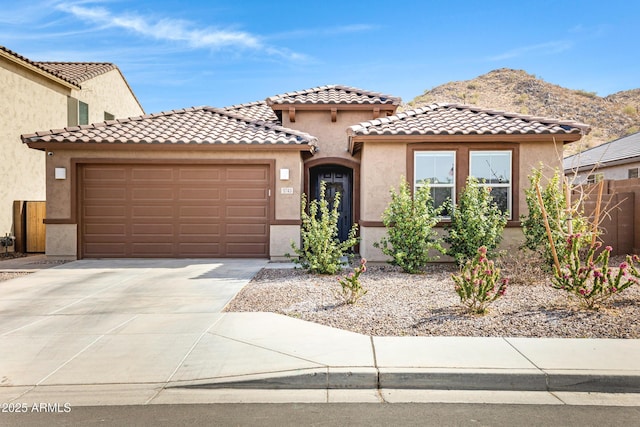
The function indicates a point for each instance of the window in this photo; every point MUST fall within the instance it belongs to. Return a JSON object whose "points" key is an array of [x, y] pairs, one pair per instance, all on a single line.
{"points": [[83, 113], [438, 169], [595, 177], [109, 116], [493, 169], [633, 173]]}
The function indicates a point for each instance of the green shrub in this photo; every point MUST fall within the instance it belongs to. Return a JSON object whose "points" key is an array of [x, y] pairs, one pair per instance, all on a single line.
{"points": [[321, 250], [478, 283], [555, 202], [410, 221], [475, 221]]}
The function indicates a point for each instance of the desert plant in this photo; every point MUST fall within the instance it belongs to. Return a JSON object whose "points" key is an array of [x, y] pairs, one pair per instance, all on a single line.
{"points": [[565, 217], [591, 280], [523, 267], [352, 289], [475, 221], [409, 221], [478, 283], [321, 249]]}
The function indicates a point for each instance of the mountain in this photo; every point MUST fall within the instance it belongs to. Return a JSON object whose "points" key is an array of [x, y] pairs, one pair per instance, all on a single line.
{"points": [[610, 117]]}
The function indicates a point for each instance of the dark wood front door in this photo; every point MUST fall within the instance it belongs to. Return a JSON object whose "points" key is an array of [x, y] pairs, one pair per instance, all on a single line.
{"points": [[338, 180]]}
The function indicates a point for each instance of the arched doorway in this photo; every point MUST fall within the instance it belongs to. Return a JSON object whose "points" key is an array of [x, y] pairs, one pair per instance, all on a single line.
{"points": [[339, 179]]}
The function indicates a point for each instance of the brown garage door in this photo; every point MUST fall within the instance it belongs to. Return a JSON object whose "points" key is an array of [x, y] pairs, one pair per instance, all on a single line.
{"points": [[184, 211]]}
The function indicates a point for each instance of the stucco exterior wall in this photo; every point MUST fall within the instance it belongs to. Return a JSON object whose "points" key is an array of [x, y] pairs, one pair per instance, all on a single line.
{"points": [[109, 93], [287, 206], [384, 162], [30, 102], [332, 136]]}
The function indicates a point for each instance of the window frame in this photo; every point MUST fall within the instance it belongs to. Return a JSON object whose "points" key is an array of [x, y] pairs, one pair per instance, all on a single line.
{"points": [[509, 185], [633, 171], [83, 106], [462, 166], [452, 185]]}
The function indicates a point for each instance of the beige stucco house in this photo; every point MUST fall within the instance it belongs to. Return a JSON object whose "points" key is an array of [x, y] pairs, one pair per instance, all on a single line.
{"points": [[207, 182], [49, 95]]}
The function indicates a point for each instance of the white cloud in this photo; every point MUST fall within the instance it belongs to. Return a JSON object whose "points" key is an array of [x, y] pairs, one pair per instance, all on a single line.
{"points": [[175, 30], [549, 48]]}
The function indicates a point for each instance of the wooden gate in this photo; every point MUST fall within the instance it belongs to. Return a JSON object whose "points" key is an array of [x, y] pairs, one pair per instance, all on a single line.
{"points": [[29, 228]]}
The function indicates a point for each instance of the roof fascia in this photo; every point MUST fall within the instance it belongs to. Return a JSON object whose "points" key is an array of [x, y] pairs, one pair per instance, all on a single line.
{"points": [[37, 70]]}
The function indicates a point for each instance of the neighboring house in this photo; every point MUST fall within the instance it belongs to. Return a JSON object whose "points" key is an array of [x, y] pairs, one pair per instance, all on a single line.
{"points": [[49, 95], [614, 160], [207, 182]]}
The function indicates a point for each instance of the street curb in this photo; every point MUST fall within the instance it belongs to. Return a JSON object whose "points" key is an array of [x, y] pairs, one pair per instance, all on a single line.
{"points": [[426, 379]]}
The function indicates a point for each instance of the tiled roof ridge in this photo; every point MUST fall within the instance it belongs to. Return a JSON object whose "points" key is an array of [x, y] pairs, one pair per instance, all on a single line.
{"points": [[262, 123], [275, 98], [258, 123], [435, 106], [244, 105], [98, 68], [37, 65]]}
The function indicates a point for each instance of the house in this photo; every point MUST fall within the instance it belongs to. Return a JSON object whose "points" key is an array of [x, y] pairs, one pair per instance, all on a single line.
{"points": [[49, 95], [209, 182], [614, 160]]}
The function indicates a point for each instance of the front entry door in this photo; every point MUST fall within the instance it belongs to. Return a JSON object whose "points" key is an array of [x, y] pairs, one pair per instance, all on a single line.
{"points": [[338, 180]]}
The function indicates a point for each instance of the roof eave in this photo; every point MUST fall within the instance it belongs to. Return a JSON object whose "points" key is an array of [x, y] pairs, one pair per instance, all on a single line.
{"points": [[37, 70]]}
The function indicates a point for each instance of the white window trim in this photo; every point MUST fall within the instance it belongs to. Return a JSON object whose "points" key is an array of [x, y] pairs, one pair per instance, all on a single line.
{"points": [[509, 185], [451, 184]]}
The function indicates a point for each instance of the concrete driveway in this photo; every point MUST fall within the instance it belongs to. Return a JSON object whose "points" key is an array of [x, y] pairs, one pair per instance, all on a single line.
{"points": [[112, 321]]}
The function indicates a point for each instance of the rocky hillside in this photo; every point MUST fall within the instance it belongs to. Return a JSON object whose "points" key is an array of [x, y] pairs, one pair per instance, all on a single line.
{"points": [[610, 117]]}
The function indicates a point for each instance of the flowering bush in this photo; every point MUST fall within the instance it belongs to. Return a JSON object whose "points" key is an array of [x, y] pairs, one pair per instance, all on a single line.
{"points": [[352, 289], [478, 283], [593, 281]]}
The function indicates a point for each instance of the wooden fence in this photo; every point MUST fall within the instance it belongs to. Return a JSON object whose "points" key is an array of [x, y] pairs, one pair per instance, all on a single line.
{"points": [[621, 223], [29, 228]]}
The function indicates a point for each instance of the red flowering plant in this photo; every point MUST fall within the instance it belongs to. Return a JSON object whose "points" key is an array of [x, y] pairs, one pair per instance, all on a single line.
{"points": [[352, 289], [593, 282], [478, 283]]}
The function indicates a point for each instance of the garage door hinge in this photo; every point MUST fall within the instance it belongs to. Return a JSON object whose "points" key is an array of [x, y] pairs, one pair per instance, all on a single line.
{"points": [[269, 192]]}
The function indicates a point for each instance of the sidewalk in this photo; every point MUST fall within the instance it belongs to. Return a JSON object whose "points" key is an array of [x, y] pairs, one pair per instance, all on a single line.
{"points": [[140, 332]]}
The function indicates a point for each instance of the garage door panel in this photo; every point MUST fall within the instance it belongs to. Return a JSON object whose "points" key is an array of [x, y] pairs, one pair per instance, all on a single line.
{"points": [[105, 174], [152, 229], [201, 175], [104, 194], [247, 174], [175, 211], [199, 211], [235, 212], [153, 193], [105, 229], [105, 211], [152, 211], [245, 249], [211, 194], [152, 174], [200, 229]]}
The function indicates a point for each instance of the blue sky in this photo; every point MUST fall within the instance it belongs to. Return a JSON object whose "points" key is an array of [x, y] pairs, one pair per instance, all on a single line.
{"points": [[181, 53]]}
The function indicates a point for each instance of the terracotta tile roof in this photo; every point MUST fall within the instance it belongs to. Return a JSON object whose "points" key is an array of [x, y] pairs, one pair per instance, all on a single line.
{"points": [[77, 72], [333, 94], [199, 125], [619, 151], [455, 119], [37, 65], [258, 110]]}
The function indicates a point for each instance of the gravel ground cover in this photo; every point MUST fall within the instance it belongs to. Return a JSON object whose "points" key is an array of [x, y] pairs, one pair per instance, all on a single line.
{"points": [[400, 304]]}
